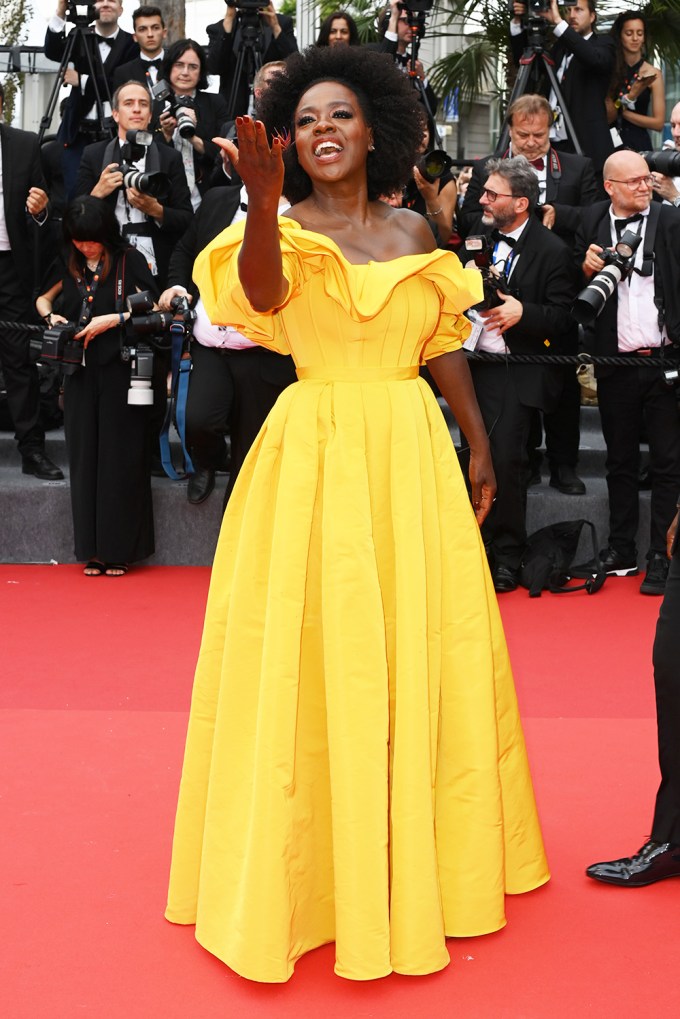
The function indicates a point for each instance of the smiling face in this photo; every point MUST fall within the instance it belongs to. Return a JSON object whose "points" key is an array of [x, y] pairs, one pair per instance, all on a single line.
{"points": [[632, 37], [331, 134]]}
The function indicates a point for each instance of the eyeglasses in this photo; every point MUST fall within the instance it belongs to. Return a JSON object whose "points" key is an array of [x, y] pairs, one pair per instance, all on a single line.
{"points": [[187, 67], [493, 195], [634, 184]]}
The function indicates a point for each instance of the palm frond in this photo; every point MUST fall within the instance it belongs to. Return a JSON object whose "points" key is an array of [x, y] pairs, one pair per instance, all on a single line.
{"points": [[471, 71]]}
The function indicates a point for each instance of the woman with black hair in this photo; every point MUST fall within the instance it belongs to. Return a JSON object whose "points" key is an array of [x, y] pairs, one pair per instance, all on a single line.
{"points": [[185, 68], [636, 85], [106, 438], [355, 769], [338, 29]]}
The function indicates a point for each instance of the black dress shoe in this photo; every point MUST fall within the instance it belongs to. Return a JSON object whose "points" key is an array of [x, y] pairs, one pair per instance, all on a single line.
{"points": [[504, 578], [566, 480], [654, 862], [201, 484], [41, 467]]}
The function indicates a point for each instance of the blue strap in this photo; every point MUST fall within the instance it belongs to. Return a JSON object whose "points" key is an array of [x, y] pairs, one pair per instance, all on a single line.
{"points": [[179, 389]]}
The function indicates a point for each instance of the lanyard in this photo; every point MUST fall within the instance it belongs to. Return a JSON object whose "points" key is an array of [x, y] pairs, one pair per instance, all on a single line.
{"points": [[507, 262], [87, 292]]}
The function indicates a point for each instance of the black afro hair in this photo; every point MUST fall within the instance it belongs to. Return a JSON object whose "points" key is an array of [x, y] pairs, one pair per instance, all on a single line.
{"points": [[388, 101]]}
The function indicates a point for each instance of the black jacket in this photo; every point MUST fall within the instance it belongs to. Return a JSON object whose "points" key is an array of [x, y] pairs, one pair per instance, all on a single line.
{"points": [[568, 189], [21, 170], [177, 210], [134, 70], [123, 49], [214, 214], [224, 49], [602, 336], [584, 87]]}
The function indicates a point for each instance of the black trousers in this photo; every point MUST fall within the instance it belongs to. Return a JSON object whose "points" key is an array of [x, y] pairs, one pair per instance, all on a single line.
{"points": [[507, 422], [21, 375], [107, 448], [626, 396], [562, 425], [231, 391], [666, 657]]}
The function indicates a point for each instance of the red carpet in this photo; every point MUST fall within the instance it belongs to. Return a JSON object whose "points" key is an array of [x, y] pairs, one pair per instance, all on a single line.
{"points": [[96, 685]]}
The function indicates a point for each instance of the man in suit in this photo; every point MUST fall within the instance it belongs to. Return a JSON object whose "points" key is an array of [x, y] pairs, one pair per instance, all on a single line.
{"points": [[641, 317], [659, 857], [22, 195], [226, 43], [584, 62], [668, 188], [397, 37], [531, 316], [109, 46], [149, 34], [153, 225], [234, 383], [566, 185]]}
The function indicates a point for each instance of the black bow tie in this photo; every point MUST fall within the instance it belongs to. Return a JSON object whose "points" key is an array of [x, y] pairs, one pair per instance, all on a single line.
{"points": [[154, 63], [496, 235], [622, 224]]}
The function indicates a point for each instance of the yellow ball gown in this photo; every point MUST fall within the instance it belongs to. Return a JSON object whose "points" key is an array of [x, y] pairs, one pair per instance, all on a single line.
{"points": [[355, 769]]}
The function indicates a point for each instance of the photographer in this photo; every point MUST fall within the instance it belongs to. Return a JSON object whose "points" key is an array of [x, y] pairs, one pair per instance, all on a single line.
{"points": [[566, 185], [668, 188], [81, 122], [584, 63], [641, 317], [105, 436], [192, 117], [397, 36], [149, 34], [529, 314], [276, 42]]}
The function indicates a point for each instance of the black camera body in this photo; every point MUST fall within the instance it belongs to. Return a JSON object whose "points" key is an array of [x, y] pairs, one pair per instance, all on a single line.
{"points": [[147, 322], [177, 106], [434, 164], [478, 250], [414, 7], [81, 15], [156, 184], [60, 346], [666, 162], [248, 5], [619, 263]]}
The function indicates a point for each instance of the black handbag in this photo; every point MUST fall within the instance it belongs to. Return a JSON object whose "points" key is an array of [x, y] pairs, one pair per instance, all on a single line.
{"points": [[548, 557]]}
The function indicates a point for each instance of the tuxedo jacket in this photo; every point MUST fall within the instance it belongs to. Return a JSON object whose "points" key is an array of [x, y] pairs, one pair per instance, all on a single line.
{"points": [[134, 70], [21, 170], [544, 280], [569, 185], [584, 87], [123, 49], [602, 336], [224, 48], [177, 210]]}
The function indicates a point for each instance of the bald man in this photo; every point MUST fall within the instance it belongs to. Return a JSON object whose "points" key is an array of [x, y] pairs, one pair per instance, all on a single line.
{"points": [[641, 318]]}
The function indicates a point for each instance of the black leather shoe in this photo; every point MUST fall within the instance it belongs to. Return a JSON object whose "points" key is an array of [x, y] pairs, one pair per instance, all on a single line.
{"points": [[504, 578], [566, 480], [657, 572], [616, 565], [41, 467], [201, 484], [654, 862]]}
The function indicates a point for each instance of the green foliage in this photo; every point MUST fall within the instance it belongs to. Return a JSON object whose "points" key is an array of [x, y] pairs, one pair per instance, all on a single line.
{"points": [[14, 18], [288, 7]]}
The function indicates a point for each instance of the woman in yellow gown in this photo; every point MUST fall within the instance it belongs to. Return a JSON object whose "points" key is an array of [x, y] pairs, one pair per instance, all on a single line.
{"points": [[355, 769]]}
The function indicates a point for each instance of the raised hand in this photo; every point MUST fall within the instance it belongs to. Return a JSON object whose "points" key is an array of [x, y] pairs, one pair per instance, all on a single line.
{"points": [[260, 166]]}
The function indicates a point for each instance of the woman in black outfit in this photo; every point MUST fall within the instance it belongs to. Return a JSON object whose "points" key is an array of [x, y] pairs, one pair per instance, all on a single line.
{"points": [[106, 438], [636, 103]]}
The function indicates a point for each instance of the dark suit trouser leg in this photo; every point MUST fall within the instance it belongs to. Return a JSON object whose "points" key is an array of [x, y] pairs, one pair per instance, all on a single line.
{"points": [[562, 426], [666, 657], [260, 376], [209, 405], [21, 375], [108, 461], [508, 422]]}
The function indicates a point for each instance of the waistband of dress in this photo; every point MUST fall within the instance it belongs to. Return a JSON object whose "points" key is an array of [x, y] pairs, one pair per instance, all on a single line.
{"points": [[344, 373]]}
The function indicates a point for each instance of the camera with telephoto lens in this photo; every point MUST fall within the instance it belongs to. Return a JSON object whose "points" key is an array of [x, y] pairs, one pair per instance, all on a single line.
{"points": [[477, 252], [81, 14], [619, 264], [177, 106], [157, 183], [666, 162], [434, 164], [60, 346]]}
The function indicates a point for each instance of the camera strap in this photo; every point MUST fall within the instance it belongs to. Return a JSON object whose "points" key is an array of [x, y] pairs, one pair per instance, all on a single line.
{"points": [[120, 284], [648, 262], [177, 405], [87, 292]]}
